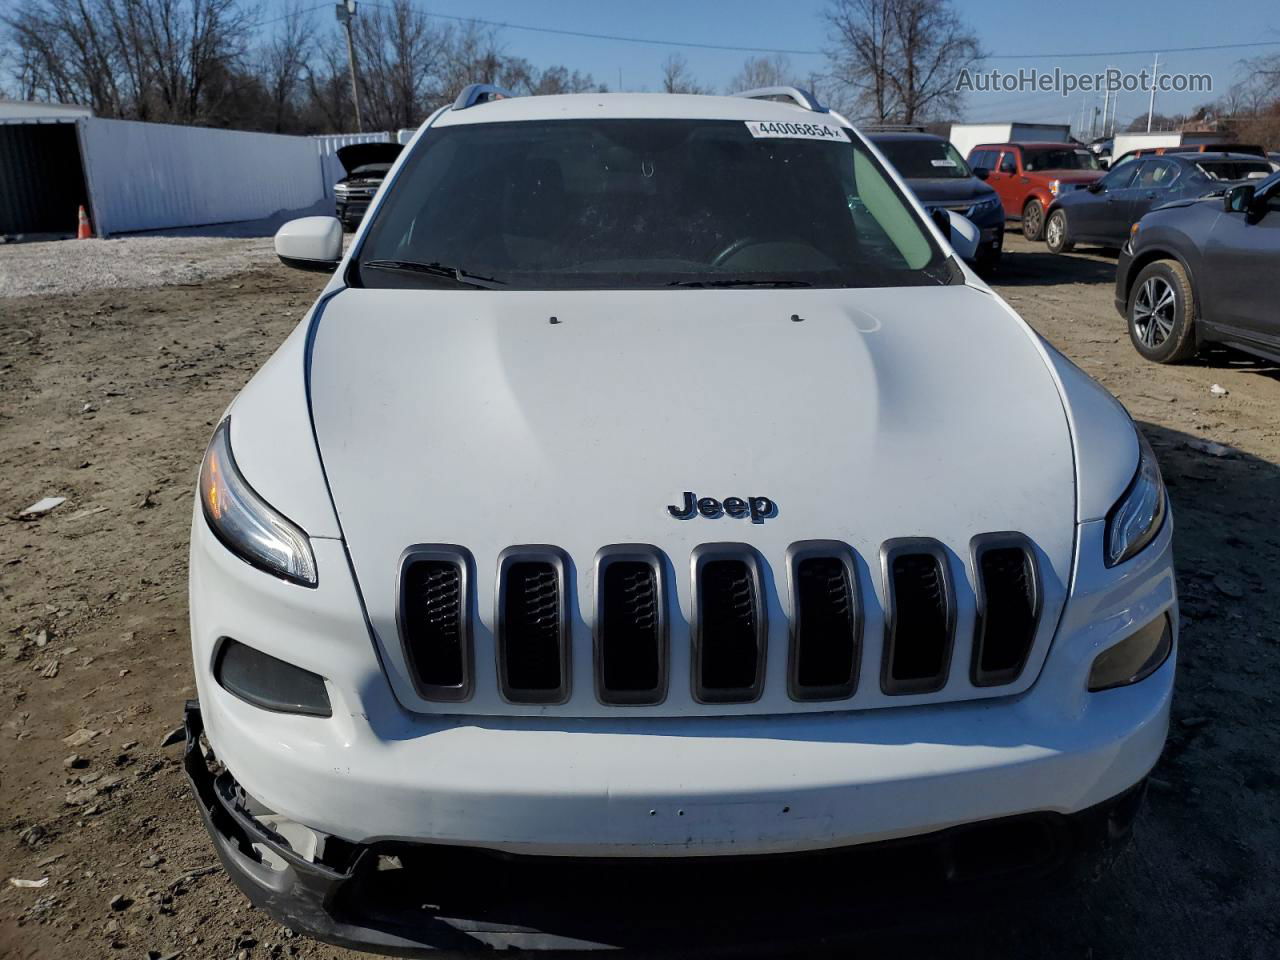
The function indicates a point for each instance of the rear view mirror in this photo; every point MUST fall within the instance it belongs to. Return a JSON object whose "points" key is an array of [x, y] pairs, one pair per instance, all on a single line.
{"points": [[981, 173], [310, 243]]}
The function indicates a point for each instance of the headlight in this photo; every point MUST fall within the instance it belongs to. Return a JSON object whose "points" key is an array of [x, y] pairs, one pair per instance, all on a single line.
{"points": [[1137, 517], [245, 523], [1134, 658], [982, 206]]}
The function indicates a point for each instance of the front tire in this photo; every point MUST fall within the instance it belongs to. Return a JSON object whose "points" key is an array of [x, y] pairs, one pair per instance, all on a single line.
{"points": [[1057, 237], [1162, 313], [1033, 220]]}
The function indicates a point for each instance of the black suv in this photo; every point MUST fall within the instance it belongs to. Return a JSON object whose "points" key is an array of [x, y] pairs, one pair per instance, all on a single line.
{"points": [[1200, 270], [366, 165], [941, 180]]}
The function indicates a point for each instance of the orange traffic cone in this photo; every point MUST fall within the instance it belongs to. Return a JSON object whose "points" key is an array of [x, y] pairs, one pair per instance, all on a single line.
{"points": [[84, 232]]}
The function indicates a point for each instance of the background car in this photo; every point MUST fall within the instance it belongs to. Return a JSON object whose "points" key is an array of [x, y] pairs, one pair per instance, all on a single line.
{"points": [[1104, 212], [941, 180], [1130, 155], [1200, 271], [366, 165], [1028, 176]]}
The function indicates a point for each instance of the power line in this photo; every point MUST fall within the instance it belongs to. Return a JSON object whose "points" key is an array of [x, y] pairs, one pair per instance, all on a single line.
{"points": [[319, 6], [661, 42], [618, 38], [1121, 53]]}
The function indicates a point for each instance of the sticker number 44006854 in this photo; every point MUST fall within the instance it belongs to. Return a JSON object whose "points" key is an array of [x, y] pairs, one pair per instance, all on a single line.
{"points": [[796, 131]]}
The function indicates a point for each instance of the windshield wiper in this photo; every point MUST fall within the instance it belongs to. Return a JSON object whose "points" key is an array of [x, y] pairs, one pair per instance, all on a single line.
{"points": [[741, 282], [442, 270]]}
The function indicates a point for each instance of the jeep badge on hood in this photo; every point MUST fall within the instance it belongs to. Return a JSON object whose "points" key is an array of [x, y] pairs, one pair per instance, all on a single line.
{"points": [[759, 509]]}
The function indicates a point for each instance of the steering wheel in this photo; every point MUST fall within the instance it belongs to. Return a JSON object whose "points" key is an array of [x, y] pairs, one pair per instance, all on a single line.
{"points": [[734, 248]]}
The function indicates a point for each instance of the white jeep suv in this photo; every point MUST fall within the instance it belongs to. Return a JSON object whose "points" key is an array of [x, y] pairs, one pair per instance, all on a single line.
{"points": [[652, 487]]}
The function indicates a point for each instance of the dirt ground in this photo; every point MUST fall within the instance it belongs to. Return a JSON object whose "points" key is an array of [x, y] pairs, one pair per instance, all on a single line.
{"points": [[107, 398]]}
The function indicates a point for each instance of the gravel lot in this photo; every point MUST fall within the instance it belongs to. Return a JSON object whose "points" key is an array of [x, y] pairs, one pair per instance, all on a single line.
{"points": [[75, 266], [107, 398]]}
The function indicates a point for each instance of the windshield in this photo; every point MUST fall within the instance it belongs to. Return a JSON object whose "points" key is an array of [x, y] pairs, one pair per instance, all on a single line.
{"points": [[621, 204], [923, 159], [1065, 158]]}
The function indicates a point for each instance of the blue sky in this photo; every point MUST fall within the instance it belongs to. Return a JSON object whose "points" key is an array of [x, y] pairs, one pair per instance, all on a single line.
{"points": [[1029, 27]]}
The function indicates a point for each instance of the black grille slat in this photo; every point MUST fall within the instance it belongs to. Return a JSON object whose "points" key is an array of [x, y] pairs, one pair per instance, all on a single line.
{"points": [[826, 621], [730, 627], [630, 628], [434, 620], [920, 617], [532, 628], [1008, 588]]}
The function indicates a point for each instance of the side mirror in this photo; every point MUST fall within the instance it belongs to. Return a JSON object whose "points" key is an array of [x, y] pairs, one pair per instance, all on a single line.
{"points": [[1238, 199], [961, 231], [981, 173], [310, 243], [1095, 187]]}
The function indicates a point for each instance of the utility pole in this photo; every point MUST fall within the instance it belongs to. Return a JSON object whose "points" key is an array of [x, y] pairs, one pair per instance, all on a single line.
{"points": [[1151, 107], [1106, 106], [345, 12]]}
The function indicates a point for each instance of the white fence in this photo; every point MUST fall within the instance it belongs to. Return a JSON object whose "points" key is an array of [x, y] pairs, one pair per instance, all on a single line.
{"points": [[146, 176]]}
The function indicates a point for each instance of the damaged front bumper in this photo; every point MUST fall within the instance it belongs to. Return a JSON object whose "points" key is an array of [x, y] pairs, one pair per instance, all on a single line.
{"points": [[412, 899]]}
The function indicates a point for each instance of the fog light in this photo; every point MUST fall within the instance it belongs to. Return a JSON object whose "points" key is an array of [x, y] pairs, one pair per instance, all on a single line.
{"points": [[1134, 658], [266, 682]]}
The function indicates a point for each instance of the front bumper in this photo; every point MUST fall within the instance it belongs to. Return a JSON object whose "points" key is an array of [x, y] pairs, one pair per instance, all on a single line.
{"points": [[631, 785], [411, 899], [352, 211]]}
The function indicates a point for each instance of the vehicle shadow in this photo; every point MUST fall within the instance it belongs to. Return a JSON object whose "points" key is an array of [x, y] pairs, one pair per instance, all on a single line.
{"points": [[1031, 264], [1219, 357]]}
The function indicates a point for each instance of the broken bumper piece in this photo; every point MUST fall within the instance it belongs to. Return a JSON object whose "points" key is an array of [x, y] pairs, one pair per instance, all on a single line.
{"points": [[415, 899]]}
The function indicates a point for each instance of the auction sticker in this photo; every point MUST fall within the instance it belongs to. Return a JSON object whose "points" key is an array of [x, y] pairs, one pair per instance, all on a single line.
{"points": [[796, 131]]}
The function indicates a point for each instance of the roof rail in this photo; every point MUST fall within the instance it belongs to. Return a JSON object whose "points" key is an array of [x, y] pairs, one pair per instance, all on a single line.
{"points": [[800, 97], [480, 93]]}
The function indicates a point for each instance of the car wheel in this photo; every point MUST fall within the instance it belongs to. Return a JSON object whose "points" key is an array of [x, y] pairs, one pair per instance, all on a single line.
{"points": [[1033, 220], [1162, 313], [1056, 236]]}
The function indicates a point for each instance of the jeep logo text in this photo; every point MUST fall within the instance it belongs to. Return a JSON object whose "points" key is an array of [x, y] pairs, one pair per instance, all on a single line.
{"points": [[759, 509]]}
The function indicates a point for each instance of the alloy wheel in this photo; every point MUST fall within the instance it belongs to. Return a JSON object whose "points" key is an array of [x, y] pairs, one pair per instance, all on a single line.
{"points": [[1053, 231], [1153, 312]]}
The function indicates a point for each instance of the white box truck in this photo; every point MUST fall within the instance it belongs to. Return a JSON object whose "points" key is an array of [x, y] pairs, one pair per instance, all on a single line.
{"points": [[965, 136]]}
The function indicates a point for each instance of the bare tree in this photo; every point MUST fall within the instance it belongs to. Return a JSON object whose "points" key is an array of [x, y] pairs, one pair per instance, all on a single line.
{"points": [[283, 61], [677, 78], [402, 55], [145, 59], [899, 60], [761, 72]]}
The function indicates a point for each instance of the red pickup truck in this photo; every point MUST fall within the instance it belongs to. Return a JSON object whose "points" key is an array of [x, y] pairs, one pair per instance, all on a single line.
{"points": [[1027, 176]]}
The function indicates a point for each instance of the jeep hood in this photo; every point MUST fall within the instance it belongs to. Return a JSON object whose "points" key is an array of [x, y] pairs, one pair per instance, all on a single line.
{"points": [[471, 417]]}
